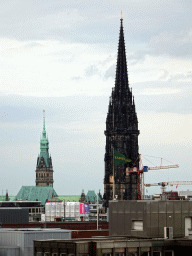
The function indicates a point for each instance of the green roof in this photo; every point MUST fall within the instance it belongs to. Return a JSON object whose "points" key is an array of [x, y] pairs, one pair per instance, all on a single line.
{"points": [[68, 198], [32, 193], [91, 196], [11, 198], [2, 198]]}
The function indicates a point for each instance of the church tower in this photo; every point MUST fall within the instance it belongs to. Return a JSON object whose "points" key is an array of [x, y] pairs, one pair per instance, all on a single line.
{"points": [[121, 133], [44, 168]]}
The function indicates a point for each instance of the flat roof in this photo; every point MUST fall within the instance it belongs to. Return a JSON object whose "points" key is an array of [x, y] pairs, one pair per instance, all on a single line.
{"points": [[35, 230], [20, 201]]}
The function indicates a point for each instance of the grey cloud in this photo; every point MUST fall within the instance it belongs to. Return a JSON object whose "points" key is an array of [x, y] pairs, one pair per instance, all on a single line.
{"points": [[170, 83], [181, 76], [138, 56], [11, 114], [77, 78], [173, 103], [110, 58], [164, 75], [74, 107], [175, 44], [167, 43], [110, 73], [95, 21], [92, 70], [189, 75], [175, 78]]}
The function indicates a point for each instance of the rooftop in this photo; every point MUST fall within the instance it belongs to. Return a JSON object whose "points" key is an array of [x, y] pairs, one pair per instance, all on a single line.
{"points": [[33, 193], [68, 198]]}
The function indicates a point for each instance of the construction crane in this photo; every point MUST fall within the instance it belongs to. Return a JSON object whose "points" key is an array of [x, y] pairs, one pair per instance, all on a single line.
{"points": [[169, 183], [164, 167], [140, 175]]}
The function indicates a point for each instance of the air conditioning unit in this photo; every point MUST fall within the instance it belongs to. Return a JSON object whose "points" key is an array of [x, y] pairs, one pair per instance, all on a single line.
{"points": [[168, 232]]}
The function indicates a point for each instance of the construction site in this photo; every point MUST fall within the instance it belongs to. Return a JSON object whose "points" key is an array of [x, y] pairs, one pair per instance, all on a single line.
{"points": [[141, 185]]}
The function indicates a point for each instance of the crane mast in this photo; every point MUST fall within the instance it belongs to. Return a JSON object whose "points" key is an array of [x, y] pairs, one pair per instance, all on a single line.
{"points": [[140, 176]]}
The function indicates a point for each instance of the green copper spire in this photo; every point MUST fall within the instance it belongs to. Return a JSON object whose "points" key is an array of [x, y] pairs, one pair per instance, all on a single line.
{"points": [[44, 145]]}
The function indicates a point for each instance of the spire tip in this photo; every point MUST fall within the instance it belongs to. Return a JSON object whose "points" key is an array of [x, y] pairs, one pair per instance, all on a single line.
{"points": [[121, 15]]}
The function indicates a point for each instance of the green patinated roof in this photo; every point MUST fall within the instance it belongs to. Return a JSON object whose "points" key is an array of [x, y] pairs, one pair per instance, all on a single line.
{"points": [[2, 198], [91, 196], [11, 198], [31, 193], [68, 198]]}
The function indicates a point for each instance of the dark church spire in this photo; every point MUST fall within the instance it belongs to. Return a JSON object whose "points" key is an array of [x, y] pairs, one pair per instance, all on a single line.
{"points": [[121, 131], [121, 80]]}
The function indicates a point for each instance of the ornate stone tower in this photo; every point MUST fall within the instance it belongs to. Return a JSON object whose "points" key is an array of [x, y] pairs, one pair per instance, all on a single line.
{"points": [[121, 133], [44, 168]]}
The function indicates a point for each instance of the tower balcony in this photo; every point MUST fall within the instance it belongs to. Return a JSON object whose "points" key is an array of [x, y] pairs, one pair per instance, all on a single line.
{"points": [[123, 131], [44, 180]]}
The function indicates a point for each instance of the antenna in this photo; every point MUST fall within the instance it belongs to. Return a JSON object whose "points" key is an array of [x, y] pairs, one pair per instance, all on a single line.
{"points": [[43, 120]]}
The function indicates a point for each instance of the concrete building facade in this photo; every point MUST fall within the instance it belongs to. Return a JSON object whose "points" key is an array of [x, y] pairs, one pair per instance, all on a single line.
{"points": [[147, 219], [113, 247]]}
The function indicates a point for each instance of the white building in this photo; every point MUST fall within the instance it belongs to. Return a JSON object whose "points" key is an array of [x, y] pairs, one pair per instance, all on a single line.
{"points": [[66, 210]]}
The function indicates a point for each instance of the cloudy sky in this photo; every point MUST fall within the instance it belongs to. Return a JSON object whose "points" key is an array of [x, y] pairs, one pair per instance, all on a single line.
{"points": [[61, 56]]}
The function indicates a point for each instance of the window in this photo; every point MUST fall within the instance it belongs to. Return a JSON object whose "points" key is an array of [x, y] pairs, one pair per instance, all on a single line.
{"points": [[119, 254], [145, 251], [46, 253], [187, 225], [137, 225], [107, 252], [156, 253], [169, 253]]}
